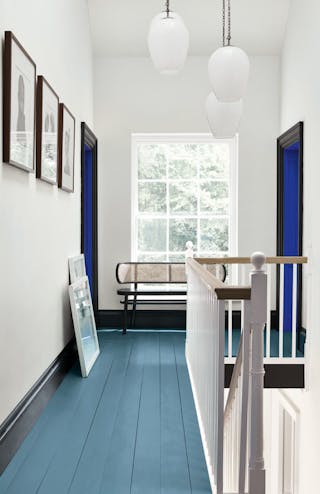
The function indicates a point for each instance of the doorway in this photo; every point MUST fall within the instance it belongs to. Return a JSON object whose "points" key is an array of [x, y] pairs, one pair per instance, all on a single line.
{"points": [[89, 208], [290, 209]]}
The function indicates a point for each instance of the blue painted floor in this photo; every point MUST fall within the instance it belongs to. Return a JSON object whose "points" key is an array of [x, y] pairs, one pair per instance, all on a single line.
{"points": [[131, 427], [274, 344]]}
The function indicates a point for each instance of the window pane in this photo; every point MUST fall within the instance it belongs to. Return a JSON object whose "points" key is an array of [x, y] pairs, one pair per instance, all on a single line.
{"points": [[156, 257], [214, 234], [152, 163], [183, 198], [178, 257], [214, 197], [152, 197], [214, 160], [180, 231], [182, 168], [152, 234], [181, 150]]}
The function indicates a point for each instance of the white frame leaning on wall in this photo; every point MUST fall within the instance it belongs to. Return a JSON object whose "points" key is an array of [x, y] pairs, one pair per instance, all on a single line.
{"points": [[185, 138]]}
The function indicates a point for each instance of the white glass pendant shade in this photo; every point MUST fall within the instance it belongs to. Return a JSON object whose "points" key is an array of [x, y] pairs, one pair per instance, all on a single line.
{"points": [[223, 118], [168, 42], [229, 69]]}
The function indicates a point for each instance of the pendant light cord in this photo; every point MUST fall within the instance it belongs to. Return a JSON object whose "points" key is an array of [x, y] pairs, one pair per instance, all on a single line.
{"points": [[168, 8], [226, 40], [229, 23], [223, 22]]}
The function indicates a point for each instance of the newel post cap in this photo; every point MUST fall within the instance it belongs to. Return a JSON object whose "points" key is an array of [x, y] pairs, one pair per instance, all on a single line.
{"points": [[258, 259]]}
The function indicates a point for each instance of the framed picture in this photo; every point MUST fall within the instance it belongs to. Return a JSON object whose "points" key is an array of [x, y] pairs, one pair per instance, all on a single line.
{"points": [[19, 104], [77, 268], [66, 149], [84, 324], [47, 132]]}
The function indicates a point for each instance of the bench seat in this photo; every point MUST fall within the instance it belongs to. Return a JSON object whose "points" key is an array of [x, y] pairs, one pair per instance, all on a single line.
{"points": [[140, 278]]}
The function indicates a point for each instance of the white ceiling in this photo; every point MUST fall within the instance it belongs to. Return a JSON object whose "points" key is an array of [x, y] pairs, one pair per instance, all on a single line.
{"points": [[120, 27]]}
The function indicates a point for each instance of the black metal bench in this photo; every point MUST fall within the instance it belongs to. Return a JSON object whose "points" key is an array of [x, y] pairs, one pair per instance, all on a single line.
{"points": [[154, 283]]}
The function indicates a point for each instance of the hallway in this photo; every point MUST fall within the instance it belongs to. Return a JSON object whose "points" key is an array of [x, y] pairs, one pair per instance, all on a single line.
{"points": [[131, 427]]}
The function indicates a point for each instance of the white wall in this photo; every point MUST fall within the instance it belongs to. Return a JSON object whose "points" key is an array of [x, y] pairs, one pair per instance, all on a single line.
{"points": [[130, 96], [301, 101], [39, 224]]}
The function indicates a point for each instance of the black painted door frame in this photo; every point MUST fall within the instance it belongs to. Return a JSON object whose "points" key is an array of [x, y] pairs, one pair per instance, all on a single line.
{"points": [[89, 139]]}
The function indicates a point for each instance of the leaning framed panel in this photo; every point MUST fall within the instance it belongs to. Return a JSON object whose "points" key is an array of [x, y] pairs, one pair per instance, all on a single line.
{"points": [[47, 131], [66, 149], [84, 324], [19, 105], [77, 268]]}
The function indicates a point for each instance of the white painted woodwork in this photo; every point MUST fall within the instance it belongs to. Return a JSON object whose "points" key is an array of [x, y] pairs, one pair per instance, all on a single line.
{"points": [[225, 436]]}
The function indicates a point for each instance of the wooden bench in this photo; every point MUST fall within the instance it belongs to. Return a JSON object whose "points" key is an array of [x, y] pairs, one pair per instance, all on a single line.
{"points": [[155, 283]]}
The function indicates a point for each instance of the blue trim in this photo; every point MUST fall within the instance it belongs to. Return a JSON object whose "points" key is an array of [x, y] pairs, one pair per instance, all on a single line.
{"points": [[291, 175]]}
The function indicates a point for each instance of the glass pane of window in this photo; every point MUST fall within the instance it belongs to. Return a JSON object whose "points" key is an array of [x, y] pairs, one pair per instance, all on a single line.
{"points": [[180, 231], [182, 168], [152, 257], [152, 234], [214, 160], [152, 163], [182, 150], [214, 197], [214, 234], [177, 257], [152, 197], [183, 197]]}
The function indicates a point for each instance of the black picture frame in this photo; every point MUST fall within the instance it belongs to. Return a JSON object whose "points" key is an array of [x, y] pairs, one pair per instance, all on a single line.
{"points": [[41, 132], [25, 125], [62, 182], [287, 139]]}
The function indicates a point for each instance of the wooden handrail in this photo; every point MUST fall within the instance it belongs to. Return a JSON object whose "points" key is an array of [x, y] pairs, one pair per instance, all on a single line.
{"points": [[223, 291], [247, 260]]}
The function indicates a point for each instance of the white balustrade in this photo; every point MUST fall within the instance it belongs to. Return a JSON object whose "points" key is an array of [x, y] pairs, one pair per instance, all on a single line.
{"points": [[283, 305], [225, 434], [205, 357]]}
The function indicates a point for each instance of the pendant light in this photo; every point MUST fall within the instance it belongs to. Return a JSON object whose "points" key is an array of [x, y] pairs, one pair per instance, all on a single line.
{"points": [[168, 41], [229, 66], [223, 118]]}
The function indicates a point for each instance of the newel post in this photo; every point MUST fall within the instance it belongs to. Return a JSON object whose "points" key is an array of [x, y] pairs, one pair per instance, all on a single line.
{"points": [[258, 321]]}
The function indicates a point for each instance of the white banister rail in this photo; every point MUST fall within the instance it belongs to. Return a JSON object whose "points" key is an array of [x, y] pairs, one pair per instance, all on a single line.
{"points": [[225, 434]]}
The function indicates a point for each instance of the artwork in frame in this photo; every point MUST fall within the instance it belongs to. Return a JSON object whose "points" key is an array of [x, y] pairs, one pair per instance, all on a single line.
{"points": [[77, 267], [84, 324], [19, 105], [47, 132], [66, 149]]}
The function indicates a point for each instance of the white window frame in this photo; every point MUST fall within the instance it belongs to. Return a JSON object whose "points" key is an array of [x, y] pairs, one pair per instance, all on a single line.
{"points": [[185, 138]]}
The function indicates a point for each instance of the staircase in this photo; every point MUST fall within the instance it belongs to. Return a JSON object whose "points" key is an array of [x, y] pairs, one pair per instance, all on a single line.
{"points": [[232, 433]]}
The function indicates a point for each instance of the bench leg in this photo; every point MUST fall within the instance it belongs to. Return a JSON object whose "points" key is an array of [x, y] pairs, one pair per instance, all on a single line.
{"points": [[125, 315], [134, 306]]}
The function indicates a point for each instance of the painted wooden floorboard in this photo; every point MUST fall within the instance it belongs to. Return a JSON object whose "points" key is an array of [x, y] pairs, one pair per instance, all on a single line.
{"points": [[130, 428], [146, 473], [119, 461], [198, 472], [88, 475], [175, 476]]}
